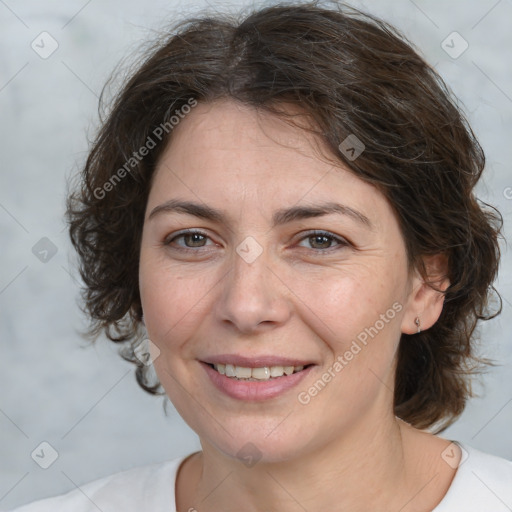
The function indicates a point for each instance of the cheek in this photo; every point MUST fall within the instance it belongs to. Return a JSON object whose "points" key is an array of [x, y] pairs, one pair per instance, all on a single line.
{"points": [[173, 305], [359, 322], [346, 302], [170, 300], [358, 318]]}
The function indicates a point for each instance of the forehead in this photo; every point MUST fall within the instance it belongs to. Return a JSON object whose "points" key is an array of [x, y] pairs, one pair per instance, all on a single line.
{"points": [[224, 152], [226, 129]]}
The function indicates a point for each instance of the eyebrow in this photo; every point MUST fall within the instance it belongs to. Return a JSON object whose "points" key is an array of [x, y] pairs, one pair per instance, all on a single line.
{"points": [[280, 217]]}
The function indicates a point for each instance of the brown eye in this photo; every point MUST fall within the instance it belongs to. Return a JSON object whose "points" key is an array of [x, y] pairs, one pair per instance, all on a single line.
{"points": [[194, 240], [188, 240], [321, 241]]}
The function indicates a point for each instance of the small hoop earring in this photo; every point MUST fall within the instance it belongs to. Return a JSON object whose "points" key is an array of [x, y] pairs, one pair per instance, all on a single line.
{"points": [[417, 322]]}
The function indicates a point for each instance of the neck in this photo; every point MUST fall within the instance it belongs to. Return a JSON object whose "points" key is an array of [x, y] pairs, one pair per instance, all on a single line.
{"points": [[363, 469]]}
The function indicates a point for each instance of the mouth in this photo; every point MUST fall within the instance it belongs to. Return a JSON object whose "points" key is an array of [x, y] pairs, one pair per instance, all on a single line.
{"points": [[258, 374], [256, 379]]}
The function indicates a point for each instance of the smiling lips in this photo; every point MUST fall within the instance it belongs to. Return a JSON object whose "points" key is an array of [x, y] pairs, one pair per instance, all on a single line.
{"points": [[261, 373], [255, 378]]}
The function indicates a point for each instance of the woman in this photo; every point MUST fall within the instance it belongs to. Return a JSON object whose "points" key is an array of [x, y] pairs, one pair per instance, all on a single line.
{"points": [[283, 209]]}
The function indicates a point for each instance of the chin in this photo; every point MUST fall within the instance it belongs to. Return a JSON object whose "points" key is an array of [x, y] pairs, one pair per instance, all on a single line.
{"points": [[251, 442]]}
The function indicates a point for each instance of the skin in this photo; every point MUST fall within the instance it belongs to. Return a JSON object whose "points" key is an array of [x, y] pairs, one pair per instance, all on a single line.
{"points": [[301, 297]]}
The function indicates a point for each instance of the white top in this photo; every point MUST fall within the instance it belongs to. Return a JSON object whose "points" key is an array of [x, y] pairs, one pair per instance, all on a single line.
{"points": [[482, 483]]}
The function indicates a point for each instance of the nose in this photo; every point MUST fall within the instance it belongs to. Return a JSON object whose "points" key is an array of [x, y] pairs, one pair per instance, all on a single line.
{"points": [[253, 297]]}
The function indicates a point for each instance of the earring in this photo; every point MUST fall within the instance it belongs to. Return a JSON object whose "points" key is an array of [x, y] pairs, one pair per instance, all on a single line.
{"points": [[417, 322]]}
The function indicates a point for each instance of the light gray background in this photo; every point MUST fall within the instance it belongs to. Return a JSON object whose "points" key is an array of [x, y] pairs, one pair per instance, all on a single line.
{"points": [[83, 400]]}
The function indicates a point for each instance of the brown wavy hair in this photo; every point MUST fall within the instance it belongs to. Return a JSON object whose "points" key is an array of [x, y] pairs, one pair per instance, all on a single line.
{"points": [[352, 74]]}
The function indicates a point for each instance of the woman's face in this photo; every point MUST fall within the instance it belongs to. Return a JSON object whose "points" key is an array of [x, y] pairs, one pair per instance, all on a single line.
{"points": [[291, 262]]}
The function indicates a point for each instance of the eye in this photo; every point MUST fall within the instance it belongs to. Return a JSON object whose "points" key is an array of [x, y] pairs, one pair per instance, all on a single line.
{"points": [[323, 240], [190, 240]]}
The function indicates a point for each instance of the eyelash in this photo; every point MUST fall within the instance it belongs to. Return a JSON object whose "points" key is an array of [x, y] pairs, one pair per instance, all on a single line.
{"points": [[341, 242]]}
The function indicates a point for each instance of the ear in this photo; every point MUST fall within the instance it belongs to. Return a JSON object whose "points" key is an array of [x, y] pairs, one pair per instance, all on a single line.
{"points": [[425, 302]]}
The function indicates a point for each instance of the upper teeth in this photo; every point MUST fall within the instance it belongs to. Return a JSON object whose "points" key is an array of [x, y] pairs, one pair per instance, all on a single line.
{"points": [[264, 373]]}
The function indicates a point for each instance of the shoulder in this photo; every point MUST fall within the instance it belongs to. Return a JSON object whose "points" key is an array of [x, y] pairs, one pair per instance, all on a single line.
{"points": [[482, 482], [149, 487]]}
